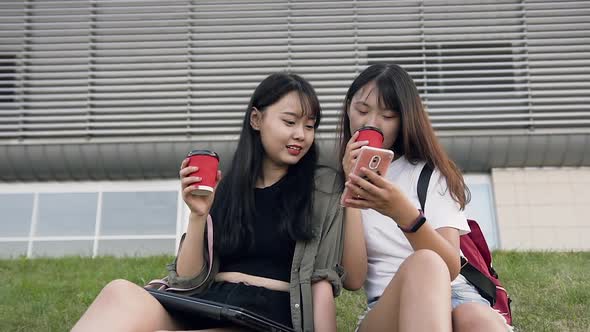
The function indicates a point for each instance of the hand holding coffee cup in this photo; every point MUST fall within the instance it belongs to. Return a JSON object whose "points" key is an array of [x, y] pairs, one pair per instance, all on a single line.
{"points": [[207, 163], [373, 135]]}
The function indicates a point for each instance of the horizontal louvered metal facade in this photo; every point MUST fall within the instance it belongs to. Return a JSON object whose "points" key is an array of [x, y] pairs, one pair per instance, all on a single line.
{"points": [[122, 89]]}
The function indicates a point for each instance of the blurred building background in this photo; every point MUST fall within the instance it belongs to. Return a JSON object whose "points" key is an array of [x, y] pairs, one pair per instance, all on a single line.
{"points": [[100, 100]]}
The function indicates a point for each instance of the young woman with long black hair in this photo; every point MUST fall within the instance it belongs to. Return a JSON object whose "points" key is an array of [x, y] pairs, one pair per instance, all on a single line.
{"points": [[277, 228]]}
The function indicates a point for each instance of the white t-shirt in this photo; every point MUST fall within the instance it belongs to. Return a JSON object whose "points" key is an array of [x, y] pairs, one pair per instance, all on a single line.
{"points": [[387, 246]]}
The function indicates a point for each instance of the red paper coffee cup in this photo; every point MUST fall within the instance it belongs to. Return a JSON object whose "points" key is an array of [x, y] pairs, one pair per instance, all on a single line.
{"points": [[208, 162], [372, 134]]}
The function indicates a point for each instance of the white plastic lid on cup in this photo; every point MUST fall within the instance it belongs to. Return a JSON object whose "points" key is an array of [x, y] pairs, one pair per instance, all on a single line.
{"points": [[202, 191], [203, 152]]}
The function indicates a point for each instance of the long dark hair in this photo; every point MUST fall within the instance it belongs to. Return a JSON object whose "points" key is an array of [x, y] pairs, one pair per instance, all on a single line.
{"points": [[234, 205], [416, 139]]}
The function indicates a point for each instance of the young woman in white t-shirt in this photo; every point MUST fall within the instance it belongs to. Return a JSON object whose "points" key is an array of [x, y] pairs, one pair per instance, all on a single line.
{"points": [[408, 262]]}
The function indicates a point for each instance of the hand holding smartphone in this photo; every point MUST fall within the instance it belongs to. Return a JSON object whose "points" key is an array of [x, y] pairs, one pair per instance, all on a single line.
{"points": [[374, 159]]}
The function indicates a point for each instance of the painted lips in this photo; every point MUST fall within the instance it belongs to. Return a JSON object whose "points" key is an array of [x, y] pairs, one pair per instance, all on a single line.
{"points": [[294, 150]]}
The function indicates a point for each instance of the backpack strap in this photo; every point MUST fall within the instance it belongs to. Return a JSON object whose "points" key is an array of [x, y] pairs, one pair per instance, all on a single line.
{"points": [[423, 181], [484, 285], [486, 288]]}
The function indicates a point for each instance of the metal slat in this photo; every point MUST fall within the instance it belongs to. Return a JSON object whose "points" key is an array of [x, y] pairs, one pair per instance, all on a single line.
{"points": [[122, 132], [163, 60], [509, 116], [106, 118], [131, 125]]}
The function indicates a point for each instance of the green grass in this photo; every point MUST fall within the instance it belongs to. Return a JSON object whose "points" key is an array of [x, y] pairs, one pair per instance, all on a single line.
{"points": [[550, 291]]}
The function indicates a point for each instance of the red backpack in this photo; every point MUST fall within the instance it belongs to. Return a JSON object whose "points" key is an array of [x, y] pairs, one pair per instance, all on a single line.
{"points": [[476, 265]]}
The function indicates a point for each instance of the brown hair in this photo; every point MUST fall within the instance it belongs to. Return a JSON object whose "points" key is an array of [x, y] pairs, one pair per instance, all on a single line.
{"points": [[416, 139]]}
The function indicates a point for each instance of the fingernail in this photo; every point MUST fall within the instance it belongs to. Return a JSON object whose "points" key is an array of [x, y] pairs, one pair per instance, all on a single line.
{"points": [[197, 178]]}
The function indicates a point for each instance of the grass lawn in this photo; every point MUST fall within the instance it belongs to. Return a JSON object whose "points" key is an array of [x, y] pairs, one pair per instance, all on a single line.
{"points": [[550, 291]]}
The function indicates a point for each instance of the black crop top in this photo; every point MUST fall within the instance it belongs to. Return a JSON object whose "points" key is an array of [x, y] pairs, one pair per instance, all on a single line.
{"points": [[271, 252]]}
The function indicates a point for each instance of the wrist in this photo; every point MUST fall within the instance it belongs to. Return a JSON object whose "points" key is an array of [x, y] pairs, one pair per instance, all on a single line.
{"points": [[415, 225], [195, 217], [403, 213], [407, 217]]}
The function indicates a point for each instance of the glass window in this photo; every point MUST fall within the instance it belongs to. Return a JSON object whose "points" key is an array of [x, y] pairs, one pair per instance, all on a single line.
{"points": [[66, 214], [16, 212], [481, 209], [62, 248], [13, 249], [139, 213], [136, 247]]}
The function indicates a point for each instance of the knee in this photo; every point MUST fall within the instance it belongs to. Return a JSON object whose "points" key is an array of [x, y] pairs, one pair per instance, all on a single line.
{"points": [[429, 263], [470, 317], [119, 289]]}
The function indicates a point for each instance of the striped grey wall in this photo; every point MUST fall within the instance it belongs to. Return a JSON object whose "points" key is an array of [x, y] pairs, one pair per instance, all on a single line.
{"points": [[127, 68], [95, 71]]}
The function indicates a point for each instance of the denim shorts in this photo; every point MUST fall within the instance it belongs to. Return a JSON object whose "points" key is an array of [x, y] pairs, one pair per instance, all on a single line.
{"points": [[462, 292]]}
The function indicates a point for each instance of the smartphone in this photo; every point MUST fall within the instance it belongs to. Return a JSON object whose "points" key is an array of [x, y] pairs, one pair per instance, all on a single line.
{"points": [[374, 159]]}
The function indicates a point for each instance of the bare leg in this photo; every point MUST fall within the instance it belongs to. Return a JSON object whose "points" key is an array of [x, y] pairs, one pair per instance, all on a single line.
{"points": [[224, 329], [477, 317], [416, 299], [124, 306]]}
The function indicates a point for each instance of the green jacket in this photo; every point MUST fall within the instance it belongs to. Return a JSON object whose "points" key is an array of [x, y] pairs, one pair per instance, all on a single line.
{"points": [[313, 260]]}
